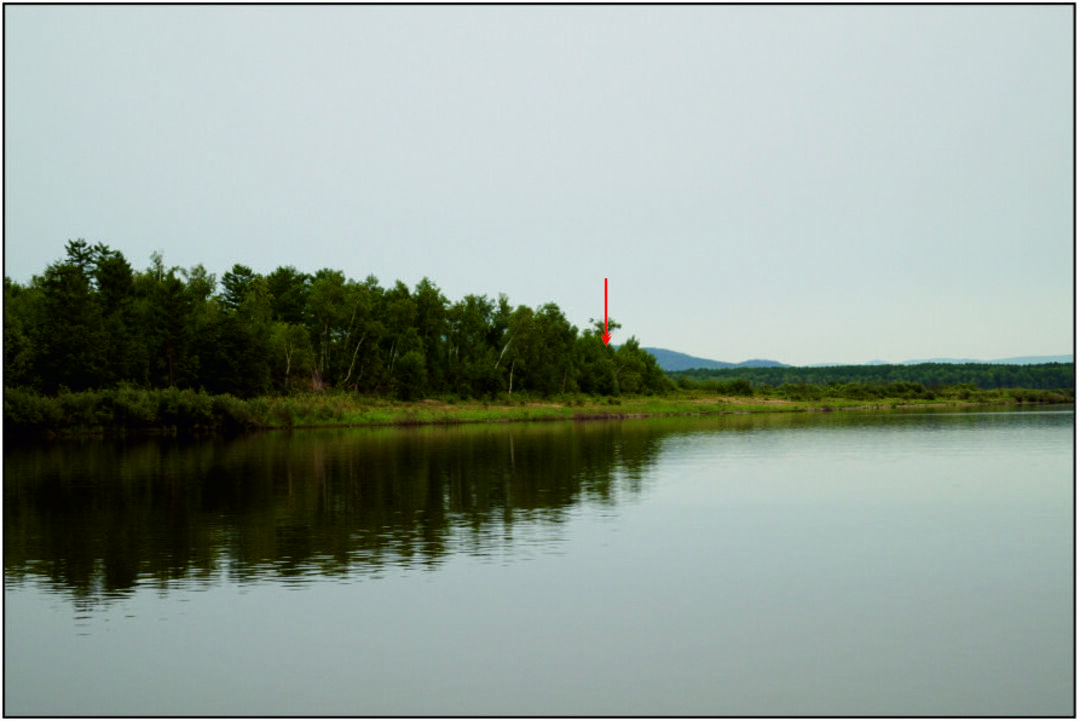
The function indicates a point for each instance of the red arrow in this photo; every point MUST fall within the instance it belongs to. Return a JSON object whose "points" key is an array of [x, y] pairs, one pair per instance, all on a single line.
{"points": [[607, 336]]}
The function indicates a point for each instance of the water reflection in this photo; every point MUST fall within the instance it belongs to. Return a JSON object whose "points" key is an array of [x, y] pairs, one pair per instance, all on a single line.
{"points": [[818, 564], [99, 517], [96, 518]]}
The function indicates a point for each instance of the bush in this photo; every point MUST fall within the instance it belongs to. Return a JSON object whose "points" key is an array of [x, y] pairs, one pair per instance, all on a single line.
{"points": [[133, 408], [282, 412], [232, 413], [196, 409], [85, 409], [25, 410], [168, 405], [739, 387], [799, 392]]}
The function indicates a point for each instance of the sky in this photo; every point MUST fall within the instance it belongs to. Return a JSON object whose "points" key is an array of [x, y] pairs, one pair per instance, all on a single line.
{"points": [[806, 184]]}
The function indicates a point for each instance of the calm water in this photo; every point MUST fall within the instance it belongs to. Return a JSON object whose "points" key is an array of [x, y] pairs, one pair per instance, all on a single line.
{"points": [[816, 564]]}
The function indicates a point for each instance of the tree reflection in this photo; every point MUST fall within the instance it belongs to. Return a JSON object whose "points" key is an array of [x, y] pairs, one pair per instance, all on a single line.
{"points": [[98, 517], [95, 518]]}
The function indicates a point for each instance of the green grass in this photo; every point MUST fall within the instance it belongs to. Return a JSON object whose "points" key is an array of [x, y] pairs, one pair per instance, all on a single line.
{"points": [[170, 410]]}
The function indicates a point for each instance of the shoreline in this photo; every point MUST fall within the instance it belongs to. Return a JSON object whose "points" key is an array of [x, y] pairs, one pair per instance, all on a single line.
{"points": [[286, 413]]}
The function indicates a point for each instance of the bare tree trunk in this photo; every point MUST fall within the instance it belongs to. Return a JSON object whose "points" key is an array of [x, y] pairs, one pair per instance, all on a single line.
{"points": [[324, 348], [353, 364], [511, 391], [288, 365], [503, 352]]}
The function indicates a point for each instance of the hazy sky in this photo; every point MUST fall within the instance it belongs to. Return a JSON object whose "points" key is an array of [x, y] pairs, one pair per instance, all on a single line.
{"points": [[806, 184]]}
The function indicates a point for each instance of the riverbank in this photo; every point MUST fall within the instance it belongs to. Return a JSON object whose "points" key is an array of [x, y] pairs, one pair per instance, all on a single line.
{"points": [[129, 410], [432, 412]]}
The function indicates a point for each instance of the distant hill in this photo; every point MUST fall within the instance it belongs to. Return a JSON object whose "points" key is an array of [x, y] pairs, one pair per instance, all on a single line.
{"points": [[671, 360], [1019, 360], [1043, 376], [674, 361]]}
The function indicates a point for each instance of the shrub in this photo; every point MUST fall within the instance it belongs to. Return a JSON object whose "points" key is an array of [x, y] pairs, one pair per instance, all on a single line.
{"points": [[739, 387], [232, 413], [25, 410], [196, 408], [133, 408], [799, 392], [281, 412], [84, 409]]}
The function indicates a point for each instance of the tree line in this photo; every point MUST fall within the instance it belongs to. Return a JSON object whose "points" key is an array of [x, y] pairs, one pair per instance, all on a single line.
{"points": [[930, 376], [91, 321]]}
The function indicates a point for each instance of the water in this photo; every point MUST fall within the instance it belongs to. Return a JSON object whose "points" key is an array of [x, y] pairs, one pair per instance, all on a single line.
{"points": [[811, 564]]}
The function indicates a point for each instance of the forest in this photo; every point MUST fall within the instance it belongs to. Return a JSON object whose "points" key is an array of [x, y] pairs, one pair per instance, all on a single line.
{"points": [[91, 321], [931, 376]]}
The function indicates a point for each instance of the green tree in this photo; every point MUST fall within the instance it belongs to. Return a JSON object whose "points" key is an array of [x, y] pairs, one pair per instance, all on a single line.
{"points": [[235, 286], [124, 352], [68, 333], [551, 356], [164, 310], [598, 372], [410, 375], [90, 321], [326, 314], [519, 346], [432, 327], [234, 358], [401, 335], [362, 335], [471, 359], [289, 290], [292, 354], [19, 349]]}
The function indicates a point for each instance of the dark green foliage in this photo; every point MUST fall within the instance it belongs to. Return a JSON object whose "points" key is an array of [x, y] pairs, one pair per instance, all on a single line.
{"points": [[25, 410], [91, 322], [20, 352], [1026, 395], [166, 308], [235, 286], [128, 408], [870, 391], [91, 343], [410, 375], [234, 359], [799, 392], [132, 408], [288, 293], [66, 330], [896, 380]]}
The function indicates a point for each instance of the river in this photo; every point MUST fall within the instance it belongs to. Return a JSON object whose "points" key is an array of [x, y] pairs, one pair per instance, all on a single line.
{"points": [[899, 563]]}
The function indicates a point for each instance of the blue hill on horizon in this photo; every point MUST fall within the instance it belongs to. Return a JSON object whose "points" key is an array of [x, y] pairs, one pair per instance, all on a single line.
{"points": [[670, 360]]}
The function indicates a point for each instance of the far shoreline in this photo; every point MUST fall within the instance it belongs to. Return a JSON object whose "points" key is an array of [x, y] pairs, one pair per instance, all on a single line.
{"points": [[339, 411]]}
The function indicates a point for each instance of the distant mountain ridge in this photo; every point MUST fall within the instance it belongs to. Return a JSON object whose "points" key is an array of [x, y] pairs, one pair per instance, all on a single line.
{"points": [[670, 360]]}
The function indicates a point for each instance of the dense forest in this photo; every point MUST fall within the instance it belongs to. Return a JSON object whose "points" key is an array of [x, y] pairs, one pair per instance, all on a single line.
{"points": [[91, 321], [933, 376]]}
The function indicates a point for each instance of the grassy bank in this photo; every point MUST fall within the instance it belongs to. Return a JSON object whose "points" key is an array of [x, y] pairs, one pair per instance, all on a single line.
{"points": [[186, 411]]}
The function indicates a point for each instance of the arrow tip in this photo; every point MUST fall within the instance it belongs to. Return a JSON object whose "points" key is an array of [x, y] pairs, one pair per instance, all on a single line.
{"points": [[606, 337]]}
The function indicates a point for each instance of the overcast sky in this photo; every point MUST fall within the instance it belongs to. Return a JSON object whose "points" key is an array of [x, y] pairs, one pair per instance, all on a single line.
{"points": [[805, 184]]}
